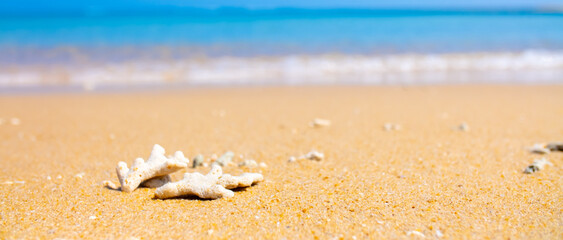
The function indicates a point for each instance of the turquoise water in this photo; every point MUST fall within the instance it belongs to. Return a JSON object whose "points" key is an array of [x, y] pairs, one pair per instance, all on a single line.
{"points": [[216, 44], [266, 33]]}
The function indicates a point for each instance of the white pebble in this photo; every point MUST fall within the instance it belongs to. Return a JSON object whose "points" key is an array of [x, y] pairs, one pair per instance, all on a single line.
{"points": [[92, 217], [391, 127], [415, 233], [319, 122], [539, 148], [79, 175], [463, 127], [263, 165], [314, 155], [248, 163], [15, 121], [439, 233], [292, 159], [537, 165]]}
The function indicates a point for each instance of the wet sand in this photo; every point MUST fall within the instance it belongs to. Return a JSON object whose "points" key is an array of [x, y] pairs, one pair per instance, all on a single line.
{"points": [[427, 177]]}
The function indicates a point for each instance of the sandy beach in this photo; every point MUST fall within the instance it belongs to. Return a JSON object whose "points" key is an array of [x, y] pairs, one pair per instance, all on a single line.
{"points": [[426, 179]]}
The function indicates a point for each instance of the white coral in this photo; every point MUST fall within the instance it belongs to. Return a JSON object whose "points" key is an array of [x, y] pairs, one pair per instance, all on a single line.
{"points": [[540, 149], [312, 155], [537, 165], [555, 146], [250, 163], [153, 172], [203, 186], [315, 156], [225, 159], [245, 180]]}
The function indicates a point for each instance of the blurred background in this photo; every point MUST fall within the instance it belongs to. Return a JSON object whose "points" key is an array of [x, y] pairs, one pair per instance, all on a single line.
{"points": [[124, 44]]}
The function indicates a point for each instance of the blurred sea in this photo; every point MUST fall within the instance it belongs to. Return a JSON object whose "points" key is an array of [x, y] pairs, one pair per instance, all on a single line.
{"points": [[281, 46]]}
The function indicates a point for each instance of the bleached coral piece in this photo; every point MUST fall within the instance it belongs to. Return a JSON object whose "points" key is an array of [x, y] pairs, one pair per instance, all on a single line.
{"points": [[555, 146], [225, 159], [244, 180], [248, 163], [79, 175], [540, 149], [15, 121], [319, 122], [315, 156], [463, 127], [391, 127], [415, 233], [109, 184], [203, 186], [537, 165], [156, 166], [197, 161]]}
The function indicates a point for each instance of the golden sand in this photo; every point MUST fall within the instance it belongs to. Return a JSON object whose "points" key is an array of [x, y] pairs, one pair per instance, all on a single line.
{"points": [[428, 177]]}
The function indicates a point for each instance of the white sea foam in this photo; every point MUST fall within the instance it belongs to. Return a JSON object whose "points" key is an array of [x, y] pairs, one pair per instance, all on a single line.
{"points": [[533, 66]]}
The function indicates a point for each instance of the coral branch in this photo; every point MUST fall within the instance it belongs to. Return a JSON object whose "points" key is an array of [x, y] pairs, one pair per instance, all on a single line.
{"points": [[203, 186], [245, 180], [153, 172]]}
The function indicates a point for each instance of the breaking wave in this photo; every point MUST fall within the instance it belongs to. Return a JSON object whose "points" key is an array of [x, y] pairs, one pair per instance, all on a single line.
{"points": [[532, 66]]}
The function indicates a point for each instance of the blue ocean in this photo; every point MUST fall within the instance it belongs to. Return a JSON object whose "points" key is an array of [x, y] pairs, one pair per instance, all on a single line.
{"points": [[282, 46]]}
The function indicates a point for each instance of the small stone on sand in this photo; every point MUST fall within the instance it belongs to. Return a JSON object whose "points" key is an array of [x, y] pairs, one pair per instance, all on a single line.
{"points": [[391, 127], [315, 156], [319, 122], [463, 127], [415, 233], [197, 161], [110, 185], [537, 165], [439, 233], [15, 121], [248, 163], [539, 149], [225, 159], [292, 159], [555, 146]]}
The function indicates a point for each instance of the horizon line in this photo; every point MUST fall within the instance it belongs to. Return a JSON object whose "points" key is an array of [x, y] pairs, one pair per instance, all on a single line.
{"points": [[245, 11]]}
